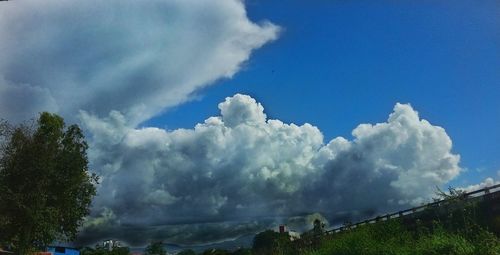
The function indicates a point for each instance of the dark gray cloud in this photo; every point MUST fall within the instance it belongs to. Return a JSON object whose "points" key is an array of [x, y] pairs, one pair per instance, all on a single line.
{"points": [[136, 57], [108, 226], [241, 166], [19, 102], [113, 64], [128, 60]]}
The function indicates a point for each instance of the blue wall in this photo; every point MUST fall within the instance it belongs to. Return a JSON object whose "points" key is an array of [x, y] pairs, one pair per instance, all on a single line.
{"points": [[63, 251]]}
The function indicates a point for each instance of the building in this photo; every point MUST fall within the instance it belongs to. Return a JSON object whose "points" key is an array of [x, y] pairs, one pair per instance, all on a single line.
{"points": [[60, 250]]}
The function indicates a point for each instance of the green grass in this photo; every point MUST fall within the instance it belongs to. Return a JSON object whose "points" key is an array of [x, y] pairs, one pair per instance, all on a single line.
{"points": [[391, 238]]}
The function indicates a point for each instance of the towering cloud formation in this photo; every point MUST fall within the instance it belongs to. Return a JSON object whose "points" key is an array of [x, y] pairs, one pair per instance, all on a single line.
{"points": [[136, 57], [245, 169], [116, 63]]}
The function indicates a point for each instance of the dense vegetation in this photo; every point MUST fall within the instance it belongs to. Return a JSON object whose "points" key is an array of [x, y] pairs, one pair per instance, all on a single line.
{"points": [[155, 248], [393, 238], [383, 238], [104, 251], [45, 186], [456, 227]]}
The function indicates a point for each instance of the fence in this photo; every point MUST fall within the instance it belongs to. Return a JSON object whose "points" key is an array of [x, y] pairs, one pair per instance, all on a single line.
{"points": [[466, 196]]}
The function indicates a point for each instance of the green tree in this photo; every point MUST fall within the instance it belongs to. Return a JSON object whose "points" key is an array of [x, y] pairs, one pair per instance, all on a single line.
{"points": [[45, 186], [270, 242], [156, 248], [453, 194], [319, 227], [99, 250], [120, 251]]}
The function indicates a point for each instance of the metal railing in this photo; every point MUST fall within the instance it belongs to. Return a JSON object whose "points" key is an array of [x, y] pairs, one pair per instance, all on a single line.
{"points": [[407, 212]]}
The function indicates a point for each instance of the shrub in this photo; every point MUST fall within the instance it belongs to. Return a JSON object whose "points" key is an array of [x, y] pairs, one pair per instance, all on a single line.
{"points": [[392, 238]]}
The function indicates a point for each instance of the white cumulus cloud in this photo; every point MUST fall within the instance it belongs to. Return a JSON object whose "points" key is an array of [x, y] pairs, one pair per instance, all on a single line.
{"points": [[241, 166], [135, 57], [117, 63], [488, 182]]}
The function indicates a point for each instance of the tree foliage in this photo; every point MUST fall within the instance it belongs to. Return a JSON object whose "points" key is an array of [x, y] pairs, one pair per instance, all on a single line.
{"points": [[392, 237], [453, 194], [156, 248], [99, 250], [270, 242], [45, 186]]}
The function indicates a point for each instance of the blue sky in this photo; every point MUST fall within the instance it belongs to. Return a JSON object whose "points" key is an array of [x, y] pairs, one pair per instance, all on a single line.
{"points": [[337, 64], [141, 77]]}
